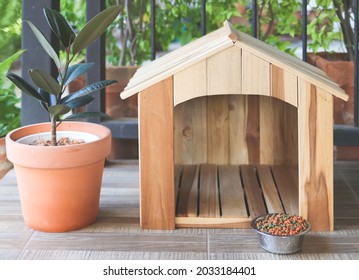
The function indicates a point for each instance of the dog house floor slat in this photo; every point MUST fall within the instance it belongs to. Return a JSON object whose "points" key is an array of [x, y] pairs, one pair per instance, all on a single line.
{"points": [[230, 196], [208, 192], [188, 192], [231, 192], [177, 174], [253, 191], [287, 187], [270, 193]]}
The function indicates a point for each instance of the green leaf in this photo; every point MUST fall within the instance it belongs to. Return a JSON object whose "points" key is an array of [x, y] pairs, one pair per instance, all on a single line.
{"points": [[46, 96], [59, 109], [45, 81], [94, 28], [44, 105], [86, 90], [10, 112], [86, 115], [76, 70], [79, 102], [50, 99], [24, 86], [6, 64], [60, 26], [45, 44]]}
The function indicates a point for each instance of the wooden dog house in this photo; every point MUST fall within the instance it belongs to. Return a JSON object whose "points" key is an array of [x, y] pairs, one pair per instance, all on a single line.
{"points": [[231, 128]]}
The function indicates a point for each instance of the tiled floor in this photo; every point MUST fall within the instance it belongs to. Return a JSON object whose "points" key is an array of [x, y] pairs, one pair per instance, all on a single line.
{"points": [[117, 234]]}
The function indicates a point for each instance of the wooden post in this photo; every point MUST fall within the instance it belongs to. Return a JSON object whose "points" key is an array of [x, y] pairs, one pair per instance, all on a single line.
{"points": [[157, 156], [35, 56], [315, 144]]}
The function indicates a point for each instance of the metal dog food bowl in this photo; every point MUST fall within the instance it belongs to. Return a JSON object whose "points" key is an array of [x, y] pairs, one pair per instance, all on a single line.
{"points": [[279, 244]]}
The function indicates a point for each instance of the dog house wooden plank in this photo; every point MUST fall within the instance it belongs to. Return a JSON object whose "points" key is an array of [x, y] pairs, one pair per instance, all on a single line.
{"points": [[284, 85], [287, 187], [294, 172], [218, 129], [190, 130], [224, 72], [231, 192], [238, 150], [195, 116], [195, 222], [272, 130], [253, 191], [315, 118], [278, 132], [269, 189], [290, 143], [185, 90], [255, 75], [208, 197], [252, 129], [156, 142], [187, 196]]}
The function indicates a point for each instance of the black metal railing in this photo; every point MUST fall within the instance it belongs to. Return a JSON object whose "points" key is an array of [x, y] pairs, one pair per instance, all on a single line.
{"points": [[343, 135], [356, 63], [32, 10]]}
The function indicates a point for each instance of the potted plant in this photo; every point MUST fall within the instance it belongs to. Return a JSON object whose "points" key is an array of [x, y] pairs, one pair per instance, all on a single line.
{"points": [[10, 112], [59, 173], [338, 66]]}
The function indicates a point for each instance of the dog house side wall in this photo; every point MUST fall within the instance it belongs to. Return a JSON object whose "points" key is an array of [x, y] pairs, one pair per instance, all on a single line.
{"points": [[315, 129], [157, 210]]}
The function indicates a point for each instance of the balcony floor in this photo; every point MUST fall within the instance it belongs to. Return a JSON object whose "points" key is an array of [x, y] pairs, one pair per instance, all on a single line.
{"points": [[117, 234]]}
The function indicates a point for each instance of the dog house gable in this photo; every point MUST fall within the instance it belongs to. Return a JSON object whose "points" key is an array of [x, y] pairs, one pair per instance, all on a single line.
{"points": [[233, 62], [233, 65]]}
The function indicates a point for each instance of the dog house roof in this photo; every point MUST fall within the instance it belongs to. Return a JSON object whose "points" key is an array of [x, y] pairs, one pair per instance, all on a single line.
{"points": [[216, 42]]}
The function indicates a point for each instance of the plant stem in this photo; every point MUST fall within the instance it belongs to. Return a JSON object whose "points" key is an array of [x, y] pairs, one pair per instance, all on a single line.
{"points": [[347, 30], [53, 131], [67, 64], [54, 118]]}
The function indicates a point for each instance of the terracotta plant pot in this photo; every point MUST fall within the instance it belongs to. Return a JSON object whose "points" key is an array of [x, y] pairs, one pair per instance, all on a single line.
{"points": [[340, 71], [116, 107], [59, 186], [5, 164]]}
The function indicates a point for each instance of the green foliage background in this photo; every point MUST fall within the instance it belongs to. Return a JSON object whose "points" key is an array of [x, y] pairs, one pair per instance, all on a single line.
{"points": [[10, 27], [9, 101], [179, 21]]}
